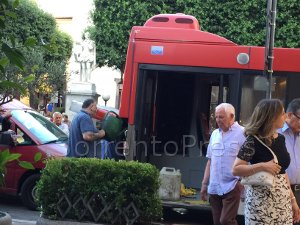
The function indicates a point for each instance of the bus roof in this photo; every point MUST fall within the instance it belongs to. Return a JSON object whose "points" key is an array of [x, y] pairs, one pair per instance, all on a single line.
{"points": [[165, 42], [186, 45]]}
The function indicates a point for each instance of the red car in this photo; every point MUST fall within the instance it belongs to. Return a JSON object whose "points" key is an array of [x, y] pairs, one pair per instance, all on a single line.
{"points": [[35, 134]]}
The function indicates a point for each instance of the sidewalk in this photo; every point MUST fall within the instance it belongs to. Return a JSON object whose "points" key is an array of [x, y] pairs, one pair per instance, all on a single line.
{"points": [[42, 221]]}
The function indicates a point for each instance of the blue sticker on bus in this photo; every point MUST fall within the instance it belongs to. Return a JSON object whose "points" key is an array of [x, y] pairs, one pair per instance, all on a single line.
{"points": [[157, 50]]}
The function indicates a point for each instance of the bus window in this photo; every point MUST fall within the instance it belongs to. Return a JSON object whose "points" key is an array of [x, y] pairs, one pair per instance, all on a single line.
{"points": [[279, 88], [254, 88]]}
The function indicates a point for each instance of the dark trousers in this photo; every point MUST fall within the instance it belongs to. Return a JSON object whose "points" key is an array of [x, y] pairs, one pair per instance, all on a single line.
{"points": [[225, 207]]}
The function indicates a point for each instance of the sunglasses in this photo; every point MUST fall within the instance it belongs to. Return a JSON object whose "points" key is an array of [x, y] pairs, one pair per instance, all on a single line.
{"points": [[296, 116]]}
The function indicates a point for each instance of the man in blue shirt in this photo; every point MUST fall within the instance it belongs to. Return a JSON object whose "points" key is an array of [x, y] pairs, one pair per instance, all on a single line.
{"points": [[49, 109], [291, 132], [84, 137], [223, 188]]}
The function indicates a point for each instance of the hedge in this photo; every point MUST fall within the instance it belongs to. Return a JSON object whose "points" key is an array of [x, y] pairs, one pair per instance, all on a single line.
{"points": [[104, 191]]}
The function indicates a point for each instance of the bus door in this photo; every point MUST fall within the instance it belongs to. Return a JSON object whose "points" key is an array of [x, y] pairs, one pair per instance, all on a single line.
{"points": [[174, 115], [145, 112]]}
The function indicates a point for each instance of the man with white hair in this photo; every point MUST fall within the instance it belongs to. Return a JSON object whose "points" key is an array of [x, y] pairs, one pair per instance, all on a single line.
{"points": [[57, 119], [223, 188]]}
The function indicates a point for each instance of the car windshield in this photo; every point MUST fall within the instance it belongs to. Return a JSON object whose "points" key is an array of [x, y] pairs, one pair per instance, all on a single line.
{"points": [[49, 126], [34, 126]]}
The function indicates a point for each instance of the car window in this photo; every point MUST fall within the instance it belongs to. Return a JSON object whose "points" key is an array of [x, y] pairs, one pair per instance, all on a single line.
{"points": [[22, 138]]}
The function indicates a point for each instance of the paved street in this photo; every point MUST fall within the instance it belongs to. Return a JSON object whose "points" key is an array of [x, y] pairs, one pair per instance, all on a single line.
{"points": [[23, 216], [183, 217], [19, 214]]}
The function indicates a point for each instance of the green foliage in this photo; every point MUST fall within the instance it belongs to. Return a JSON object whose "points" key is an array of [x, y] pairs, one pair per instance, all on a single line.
{"points": [[10, 54], [119, 182], [14, 55], [240, 21], [113, 21], [60, 47], [6, 157], [30, 22], [27, 32], [244, 22]]}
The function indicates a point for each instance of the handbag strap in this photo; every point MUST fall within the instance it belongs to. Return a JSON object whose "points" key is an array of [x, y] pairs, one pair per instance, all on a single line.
{"points": [[274, 156]]}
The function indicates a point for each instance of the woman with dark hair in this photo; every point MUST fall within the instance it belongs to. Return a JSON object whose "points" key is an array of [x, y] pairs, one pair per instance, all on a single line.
{"points": [[267, 205]]}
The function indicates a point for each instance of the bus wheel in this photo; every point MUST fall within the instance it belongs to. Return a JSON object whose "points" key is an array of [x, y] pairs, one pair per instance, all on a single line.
{"points": [[28, 191]]}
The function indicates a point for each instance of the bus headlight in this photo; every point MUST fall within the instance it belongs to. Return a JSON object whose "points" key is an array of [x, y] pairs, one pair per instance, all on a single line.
{"points": [[243, 58]]}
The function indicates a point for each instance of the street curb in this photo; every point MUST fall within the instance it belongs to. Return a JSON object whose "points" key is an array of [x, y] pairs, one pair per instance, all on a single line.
{"points": [[6, 219], [43, 221]]}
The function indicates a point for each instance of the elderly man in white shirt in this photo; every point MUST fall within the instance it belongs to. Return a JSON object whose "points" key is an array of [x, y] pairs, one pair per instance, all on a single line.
{"points": [[223, 188], [57, 119], [291, 132]]}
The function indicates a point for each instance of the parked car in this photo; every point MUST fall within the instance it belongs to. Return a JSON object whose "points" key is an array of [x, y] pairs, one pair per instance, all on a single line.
{"points": [[32, 134]]}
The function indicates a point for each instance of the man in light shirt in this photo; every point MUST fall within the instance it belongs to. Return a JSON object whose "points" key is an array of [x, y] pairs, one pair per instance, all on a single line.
{"points": [[291, 130], [223, 188], [57, 119]]}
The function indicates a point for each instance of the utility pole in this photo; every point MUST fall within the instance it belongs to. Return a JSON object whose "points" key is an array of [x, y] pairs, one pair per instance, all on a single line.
{"points": [[269, 54]]}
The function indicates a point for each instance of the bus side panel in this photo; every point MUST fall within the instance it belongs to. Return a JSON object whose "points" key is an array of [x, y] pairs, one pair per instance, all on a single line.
{"points": [[128, 74], [286, 59], [187, 54], [132, 96]]}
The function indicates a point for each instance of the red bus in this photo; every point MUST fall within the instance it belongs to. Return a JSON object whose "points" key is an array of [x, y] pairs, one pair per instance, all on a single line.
{"points": [[176, 75]]}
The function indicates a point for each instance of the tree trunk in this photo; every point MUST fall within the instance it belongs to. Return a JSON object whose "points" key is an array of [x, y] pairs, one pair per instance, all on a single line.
{"points": [[33, 100]]}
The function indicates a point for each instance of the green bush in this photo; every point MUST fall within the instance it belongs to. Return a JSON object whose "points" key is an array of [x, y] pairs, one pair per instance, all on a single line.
{"points": [[99, 190]]}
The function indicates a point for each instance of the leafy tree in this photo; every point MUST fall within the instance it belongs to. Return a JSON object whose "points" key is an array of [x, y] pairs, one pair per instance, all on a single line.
{"points": [[30, 21], [51, 46], [9, 86], [244, 22], [48, 68], [10, 54], [112, 24], [241, 21]]}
